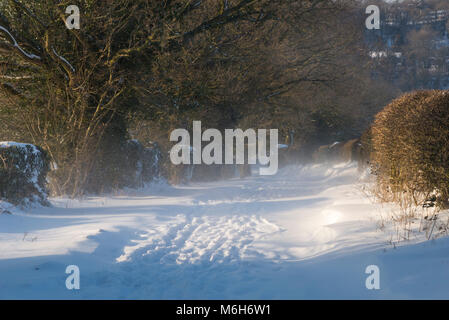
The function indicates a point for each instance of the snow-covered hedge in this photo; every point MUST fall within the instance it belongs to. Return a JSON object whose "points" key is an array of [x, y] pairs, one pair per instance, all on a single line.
{"points": [[23, 172]]}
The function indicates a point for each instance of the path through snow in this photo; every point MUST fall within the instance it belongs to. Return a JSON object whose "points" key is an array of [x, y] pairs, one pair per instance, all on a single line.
{"points": [[308, 232]]}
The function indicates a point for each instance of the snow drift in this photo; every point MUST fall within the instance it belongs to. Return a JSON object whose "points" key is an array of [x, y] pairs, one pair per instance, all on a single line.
{"points": [[305, 233]]}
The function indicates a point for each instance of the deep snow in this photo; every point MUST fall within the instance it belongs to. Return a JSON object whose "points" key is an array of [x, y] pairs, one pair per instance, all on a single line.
{"points": [[306, 233]]}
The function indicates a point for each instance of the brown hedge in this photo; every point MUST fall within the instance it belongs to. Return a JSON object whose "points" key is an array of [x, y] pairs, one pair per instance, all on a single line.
{"points": [[410, 148]]}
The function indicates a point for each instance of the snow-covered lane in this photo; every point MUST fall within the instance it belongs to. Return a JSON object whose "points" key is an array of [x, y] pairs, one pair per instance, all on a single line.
{"points": [[308, 232]]}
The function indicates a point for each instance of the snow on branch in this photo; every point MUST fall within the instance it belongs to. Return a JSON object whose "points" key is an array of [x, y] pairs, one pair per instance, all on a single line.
{"points": [[64, 60], [16, 78], [15, 44]]}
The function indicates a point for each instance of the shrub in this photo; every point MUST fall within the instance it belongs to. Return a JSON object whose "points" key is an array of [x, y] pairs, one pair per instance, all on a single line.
{"points": [[23, 171], [140, 166], [410, 149], [345, 151], [127, 164], [365, 150]]}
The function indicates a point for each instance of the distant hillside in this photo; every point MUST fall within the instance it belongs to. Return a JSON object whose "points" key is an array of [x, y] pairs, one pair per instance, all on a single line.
{"points": [[411, 49]]}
